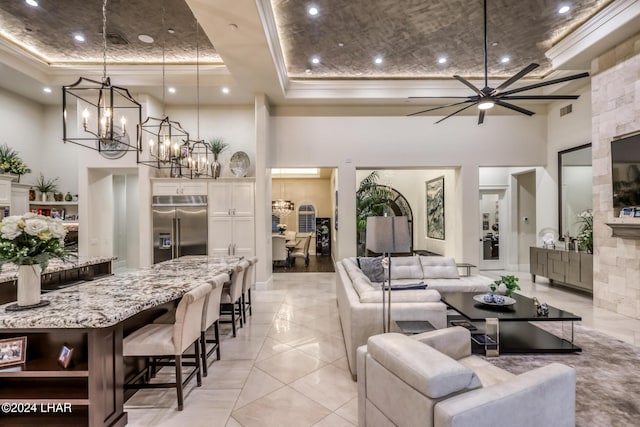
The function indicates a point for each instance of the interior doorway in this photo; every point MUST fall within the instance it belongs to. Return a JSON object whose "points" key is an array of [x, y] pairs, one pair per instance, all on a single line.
{"points": [[492, 229]]}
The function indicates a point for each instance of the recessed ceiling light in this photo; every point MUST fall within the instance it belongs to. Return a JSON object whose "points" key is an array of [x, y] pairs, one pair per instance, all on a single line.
{"points": [[78, 37], [46, 90], [564, 9], [145, 38], [171, 31], [378, 60], [234, 27], [312, 10], [308, 71], [340, 44], [505, 59], [225, 90], [494, 44], [315, 60], [32, 3], [442, 60], [172, 90]]}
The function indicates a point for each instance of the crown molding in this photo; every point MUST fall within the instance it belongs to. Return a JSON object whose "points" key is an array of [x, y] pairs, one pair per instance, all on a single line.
{"points": [[265, 11], [609, 27]]}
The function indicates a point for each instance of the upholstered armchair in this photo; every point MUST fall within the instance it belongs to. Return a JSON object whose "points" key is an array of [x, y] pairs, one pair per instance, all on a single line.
{"points": [[432, 379]]}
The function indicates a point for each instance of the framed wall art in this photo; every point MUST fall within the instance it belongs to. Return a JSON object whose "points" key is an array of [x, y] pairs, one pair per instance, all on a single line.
{"points": [[435, 208]]}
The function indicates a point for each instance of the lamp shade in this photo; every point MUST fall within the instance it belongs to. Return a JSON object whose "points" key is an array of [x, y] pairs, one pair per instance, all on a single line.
{"points": [[387, 234]]}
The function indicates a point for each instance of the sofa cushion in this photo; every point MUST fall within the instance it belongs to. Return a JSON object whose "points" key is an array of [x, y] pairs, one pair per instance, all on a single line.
{"points": [[372, 268], [475, 283], [439, 267], [432, 373], [406, 267]]}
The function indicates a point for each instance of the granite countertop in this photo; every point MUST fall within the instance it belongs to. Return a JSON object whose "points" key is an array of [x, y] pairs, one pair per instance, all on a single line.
{"points": [[107, 301], [10, 271]]}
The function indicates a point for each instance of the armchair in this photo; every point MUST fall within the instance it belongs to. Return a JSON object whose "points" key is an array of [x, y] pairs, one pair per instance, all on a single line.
{"points": [[432, 379]]}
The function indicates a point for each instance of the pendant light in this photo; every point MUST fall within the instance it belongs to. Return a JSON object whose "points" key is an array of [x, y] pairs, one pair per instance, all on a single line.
{"points": [[105, 113], [164, 143], [281, 207], [201, 156]]}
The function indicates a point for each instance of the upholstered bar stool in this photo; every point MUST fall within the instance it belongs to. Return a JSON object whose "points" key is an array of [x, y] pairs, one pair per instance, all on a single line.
{"points": [[231, 300], [210, 317], [247, 283], [159, 340]]}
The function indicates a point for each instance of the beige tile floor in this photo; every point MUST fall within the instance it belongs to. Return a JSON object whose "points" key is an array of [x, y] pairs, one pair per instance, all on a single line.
{"points": [[287, 366]]}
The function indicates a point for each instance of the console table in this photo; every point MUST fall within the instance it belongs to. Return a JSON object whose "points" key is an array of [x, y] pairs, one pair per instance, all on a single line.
{"points": [[567, 268]]}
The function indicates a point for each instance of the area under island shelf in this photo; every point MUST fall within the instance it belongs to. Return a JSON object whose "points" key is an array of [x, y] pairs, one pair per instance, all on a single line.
{"points": [[92, 317]]}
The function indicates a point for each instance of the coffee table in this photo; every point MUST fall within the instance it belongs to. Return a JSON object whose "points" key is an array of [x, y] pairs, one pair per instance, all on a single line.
{"points": [[517, 332]]}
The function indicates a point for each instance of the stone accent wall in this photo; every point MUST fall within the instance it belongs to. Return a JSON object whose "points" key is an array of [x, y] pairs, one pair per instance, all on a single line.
{"points": [[615, 105]]}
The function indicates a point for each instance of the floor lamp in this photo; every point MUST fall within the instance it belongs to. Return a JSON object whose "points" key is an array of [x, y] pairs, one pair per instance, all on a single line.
{"points": [[386, 235]]}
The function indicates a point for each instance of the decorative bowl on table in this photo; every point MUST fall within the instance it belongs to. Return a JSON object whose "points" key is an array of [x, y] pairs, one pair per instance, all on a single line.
{"points": [[494, 300]]}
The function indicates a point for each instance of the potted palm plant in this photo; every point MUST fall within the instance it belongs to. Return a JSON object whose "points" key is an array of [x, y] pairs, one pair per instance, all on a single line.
{"points": [[217, 146], [45, 186]]}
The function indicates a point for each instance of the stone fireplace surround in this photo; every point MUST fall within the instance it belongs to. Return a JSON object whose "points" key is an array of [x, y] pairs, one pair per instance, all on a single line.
{"points": [[615, 90]]}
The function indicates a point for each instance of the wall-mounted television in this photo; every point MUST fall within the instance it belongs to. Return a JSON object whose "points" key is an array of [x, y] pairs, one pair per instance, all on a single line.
{"points": [[625, 172]]}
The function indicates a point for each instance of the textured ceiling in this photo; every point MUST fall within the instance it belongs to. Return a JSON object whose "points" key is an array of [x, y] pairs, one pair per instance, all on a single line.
{"points": [[47, 31], [412, 34]]}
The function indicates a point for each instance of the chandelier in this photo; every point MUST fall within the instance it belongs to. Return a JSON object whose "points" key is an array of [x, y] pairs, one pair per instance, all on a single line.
{"points": [[281, 207], [164, 143], [106, 112], [200, 155]]}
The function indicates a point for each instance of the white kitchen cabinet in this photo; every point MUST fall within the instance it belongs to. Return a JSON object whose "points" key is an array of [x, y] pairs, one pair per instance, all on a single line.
{"points": [[231, 236], [182, 187], [20, 199], [231, 199]]}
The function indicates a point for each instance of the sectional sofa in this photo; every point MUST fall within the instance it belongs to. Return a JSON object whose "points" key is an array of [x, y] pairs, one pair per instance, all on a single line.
{"points": [[360, 298]]}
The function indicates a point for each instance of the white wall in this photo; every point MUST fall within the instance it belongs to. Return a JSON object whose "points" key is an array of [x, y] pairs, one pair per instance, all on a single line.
{"points": [[403, 142]]}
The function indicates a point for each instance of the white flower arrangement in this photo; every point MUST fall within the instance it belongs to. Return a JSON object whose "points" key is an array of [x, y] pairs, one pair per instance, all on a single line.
{"points": [[282, 227], [31, 239]]}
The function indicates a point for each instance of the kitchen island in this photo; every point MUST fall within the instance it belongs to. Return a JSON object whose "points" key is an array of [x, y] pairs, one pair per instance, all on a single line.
{"points": [[92, 318]]}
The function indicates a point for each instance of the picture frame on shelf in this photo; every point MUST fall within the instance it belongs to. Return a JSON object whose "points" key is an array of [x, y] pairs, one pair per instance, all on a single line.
{"points": [[65, 356], [13, 351], [58, 214]]}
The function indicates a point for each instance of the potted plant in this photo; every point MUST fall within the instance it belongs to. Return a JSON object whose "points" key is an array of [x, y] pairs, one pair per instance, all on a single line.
{"points": [[11, 163], [371, 200], [505, 285], [217, 146], [45, 186], [585, 235]]}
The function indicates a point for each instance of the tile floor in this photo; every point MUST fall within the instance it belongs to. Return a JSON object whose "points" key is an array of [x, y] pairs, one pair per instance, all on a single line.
{"points": [[287, 366]]}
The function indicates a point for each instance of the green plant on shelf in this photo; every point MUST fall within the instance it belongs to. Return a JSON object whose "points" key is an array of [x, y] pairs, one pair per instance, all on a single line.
{"points": [[44, 185], [217, 146]]}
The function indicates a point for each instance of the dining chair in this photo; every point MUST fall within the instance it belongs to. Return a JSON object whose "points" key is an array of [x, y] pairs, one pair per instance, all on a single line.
{"points": [[302, 252], [170, 340], [231, 299], [279, 251], [248, 282]]}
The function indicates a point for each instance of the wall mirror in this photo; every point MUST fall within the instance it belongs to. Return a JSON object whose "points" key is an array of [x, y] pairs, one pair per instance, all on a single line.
{"points": [[574, 187]]}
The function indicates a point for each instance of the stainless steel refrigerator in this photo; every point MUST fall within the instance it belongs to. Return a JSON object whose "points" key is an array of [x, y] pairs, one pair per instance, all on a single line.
{"points": [[179, 226]]}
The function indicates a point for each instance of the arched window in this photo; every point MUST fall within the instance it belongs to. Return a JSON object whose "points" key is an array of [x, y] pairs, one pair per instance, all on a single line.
{"points": [[306, 219]]}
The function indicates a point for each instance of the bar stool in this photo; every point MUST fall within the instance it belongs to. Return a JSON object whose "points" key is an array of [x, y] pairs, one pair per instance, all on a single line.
{"points": [[231, 300], [247, 283], [158, 340], [210, 317]]}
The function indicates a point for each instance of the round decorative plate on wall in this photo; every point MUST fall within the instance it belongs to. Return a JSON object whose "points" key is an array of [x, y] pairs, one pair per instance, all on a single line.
{"points": [[239, 164], [114, 149]]}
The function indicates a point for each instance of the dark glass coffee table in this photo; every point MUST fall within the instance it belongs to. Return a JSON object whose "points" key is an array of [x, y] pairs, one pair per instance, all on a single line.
{"points": [[517, 332]]}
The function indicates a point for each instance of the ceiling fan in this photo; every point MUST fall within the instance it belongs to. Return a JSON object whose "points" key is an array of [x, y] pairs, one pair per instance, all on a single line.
{"points": [[488, 97]]}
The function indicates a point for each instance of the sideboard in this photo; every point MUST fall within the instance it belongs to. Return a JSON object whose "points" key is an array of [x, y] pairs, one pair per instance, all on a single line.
{"points": [[567, 268]]}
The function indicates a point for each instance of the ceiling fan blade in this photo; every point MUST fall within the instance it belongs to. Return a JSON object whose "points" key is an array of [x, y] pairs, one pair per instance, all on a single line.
{"points": [[514, 108], [481, 117], [439, 97], [540, 97], [455, 112], [438, 108], [550, 82], [526, 70], [467, 83]]}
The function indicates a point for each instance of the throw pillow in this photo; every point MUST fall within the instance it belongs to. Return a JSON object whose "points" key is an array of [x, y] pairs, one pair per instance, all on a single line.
{"points": [[408, 286], [372, 268]]}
